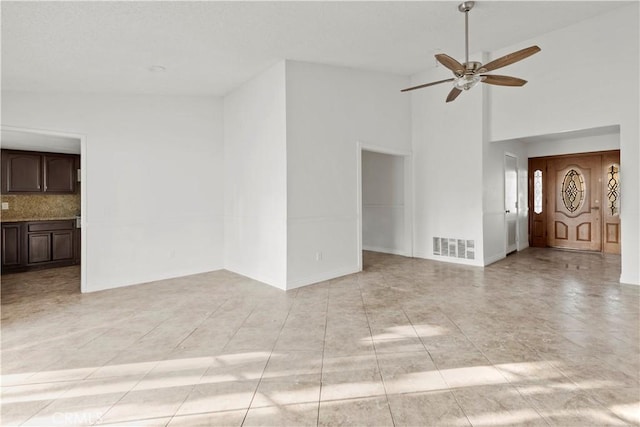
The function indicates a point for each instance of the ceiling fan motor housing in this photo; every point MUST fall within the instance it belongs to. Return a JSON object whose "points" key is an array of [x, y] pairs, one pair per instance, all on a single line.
{"points": [[472, 67]]}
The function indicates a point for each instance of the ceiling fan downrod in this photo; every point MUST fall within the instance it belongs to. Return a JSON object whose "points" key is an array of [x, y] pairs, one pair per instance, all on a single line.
{"points": [[465, 7]]}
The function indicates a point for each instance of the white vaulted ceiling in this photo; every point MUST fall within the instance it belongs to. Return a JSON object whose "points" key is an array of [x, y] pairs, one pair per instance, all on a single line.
{"points": [[208, 48]]}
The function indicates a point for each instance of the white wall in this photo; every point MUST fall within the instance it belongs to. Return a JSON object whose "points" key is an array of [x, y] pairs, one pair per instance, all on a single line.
{"points": [[569, 144], [153, 180], [575, 83], [448, 152], [383, 208], [330, 109], [494, 224], [255, 173]]}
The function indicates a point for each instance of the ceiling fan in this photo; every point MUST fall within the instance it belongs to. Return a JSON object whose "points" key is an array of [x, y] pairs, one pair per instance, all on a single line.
{"points": [[470, 73]]}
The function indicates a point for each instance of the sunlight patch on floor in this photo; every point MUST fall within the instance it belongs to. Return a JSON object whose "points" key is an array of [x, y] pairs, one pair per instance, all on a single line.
{"points": [[409, 331], [116, 378], [473, 376], [629, 412], [506, 418]]}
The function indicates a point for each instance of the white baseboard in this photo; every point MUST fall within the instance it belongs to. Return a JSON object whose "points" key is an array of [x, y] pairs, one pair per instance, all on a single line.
{"points": [[150, 279], [494, 258], [321, 277], [450, 260], [265, 280], [385, 250], [628, 280]]}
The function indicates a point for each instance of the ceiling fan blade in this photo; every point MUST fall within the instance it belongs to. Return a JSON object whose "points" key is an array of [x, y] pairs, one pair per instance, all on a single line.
{"points": [[453, 94], [509, 59], [503, 80], [426, 85], [450, 63]]}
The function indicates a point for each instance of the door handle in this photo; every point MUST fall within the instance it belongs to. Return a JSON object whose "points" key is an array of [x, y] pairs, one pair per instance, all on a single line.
{"points": [[596, 208], [507, 211]]}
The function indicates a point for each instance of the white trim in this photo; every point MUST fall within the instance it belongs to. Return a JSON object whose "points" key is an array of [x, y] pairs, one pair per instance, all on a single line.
{"points": [[385, 250], [494, 258], [263, 279], [359, 204], [83, 191], [408, 196], [321, 277], [383, 150], [312, 219], [450, 260], [628, 280], [504, 189]]}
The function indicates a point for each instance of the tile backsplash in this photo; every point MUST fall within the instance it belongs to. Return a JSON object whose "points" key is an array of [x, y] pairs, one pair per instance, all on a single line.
{"points": [[40, 206]]}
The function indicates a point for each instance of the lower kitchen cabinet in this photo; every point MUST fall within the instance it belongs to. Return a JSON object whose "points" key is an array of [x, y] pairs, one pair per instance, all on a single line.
{"points": [[62, 245], [38, 248], [11, 245], [39, 244]]}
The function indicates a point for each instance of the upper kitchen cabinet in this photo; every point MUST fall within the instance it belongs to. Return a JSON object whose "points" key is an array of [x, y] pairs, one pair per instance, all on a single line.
{"points": [[34, 172], [60, 173], [21, 172]]}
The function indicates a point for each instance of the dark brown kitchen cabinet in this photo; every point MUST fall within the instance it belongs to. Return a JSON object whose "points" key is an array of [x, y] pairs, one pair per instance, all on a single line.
{"points": [[26, 172], [60, 173], [38, 248], [62, 245], [11, 245], [39, 244], [21, 172], [50, 241]]}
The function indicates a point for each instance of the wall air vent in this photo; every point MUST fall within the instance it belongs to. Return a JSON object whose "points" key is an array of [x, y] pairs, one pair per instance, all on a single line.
{"points": [[454, 248]]}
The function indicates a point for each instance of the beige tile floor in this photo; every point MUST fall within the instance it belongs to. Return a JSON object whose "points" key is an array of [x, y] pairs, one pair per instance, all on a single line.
{"points": [[543, 337]]}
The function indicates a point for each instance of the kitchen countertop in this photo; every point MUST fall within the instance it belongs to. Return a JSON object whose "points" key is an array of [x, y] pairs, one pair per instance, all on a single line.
{"points": [[38, 219]]}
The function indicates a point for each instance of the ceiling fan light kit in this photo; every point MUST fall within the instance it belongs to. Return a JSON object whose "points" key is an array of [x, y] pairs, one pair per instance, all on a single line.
{"points": [[470, 73]]}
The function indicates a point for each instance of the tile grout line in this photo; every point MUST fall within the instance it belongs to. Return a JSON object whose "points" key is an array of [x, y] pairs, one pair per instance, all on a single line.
{"points": [[275, 343], [449, 389], [492, 365], [324, 344], [145, 375], [207, 370], [375, 351], [203, 372]]}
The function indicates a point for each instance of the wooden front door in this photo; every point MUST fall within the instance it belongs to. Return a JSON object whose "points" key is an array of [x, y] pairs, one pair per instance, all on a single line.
{"points": [[574, 202], [611, 202], [575, 197]]}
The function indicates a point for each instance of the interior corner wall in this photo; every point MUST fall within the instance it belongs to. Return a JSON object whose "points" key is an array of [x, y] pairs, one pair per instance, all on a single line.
{"points": [[448, 153], [330, 109], [148, 158], [255, 178], [556, 101], [383, 205]]}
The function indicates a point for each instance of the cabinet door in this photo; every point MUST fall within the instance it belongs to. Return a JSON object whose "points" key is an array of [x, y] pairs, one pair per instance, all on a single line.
{"points": [[21, 172], [62, 245], [59, 174], [39, 247], [11, 237]]}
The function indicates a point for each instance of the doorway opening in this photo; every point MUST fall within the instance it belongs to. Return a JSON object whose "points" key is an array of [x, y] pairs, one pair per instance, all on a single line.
{"points": [[385, 219], [574, 201], [48, 224]]}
